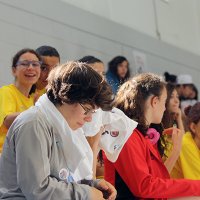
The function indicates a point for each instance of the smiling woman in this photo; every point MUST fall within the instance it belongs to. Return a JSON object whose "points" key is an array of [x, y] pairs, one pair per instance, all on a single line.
{"points": [[15, 98]]}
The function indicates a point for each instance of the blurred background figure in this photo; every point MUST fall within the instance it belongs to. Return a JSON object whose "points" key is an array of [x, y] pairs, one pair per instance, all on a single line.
{"points": [[191, 100], [184, 86], [172, 115], [118, 72], [50, 58], [188, 163], [170, 78], [186, 91], [95, 63]]}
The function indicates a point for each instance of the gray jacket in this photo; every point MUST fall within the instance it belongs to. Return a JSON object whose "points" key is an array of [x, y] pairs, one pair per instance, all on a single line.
{"points": [[31, 160]]}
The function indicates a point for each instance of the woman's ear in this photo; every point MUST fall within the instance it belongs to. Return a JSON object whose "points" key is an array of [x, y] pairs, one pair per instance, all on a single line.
{"points": [[154, 101], [13, 70]]}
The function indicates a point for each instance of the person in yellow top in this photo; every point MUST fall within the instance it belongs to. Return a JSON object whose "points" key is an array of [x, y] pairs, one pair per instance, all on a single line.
{"points": [[15, 98], [50, 58], [188, 164]]}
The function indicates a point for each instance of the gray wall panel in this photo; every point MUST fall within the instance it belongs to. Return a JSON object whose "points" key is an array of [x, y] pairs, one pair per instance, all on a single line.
{"points": [[75, 33]]}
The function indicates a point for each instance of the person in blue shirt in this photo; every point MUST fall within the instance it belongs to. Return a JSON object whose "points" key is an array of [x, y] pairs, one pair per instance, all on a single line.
{"points": [[118, 72]]}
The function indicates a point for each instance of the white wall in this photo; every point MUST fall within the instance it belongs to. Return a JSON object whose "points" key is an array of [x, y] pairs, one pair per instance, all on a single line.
{"points": [[179, 23], [178, 20], [76, 33]]}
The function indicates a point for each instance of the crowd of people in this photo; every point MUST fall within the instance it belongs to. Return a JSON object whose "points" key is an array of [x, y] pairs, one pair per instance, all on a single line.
{"points": [[74, 131]]}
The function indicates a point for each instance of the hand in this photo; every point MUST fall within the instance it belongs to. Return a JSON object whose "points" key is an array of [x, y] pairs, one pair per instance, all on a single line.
{"points": [[168, 131], [96, 194], [94, 140], [178, 114], [176, 140], [109, 192], [177, 136]]}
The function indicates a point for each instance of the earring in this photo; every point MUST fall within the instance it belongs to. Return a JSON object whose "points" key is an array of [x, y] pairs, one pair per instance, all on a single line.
{"points": [[153, 135]]}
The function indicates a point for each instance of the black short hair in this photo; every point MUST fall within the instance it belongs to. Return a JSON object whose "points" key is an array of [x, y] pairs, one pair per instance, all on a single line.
{"points": [[47, 51], [90, 60]]}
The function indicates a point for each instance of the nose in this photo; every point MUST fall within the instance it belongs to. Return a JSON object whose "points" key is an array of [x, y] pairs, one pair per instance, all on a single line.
{"points": [[177, 100], [88, 118], [30, 66]]}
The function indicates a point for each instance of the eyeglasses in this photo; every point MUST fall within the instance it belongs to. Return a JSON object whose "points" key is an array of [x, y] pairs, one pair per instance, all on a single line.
{"points": [[27, 63], [87, 110]]}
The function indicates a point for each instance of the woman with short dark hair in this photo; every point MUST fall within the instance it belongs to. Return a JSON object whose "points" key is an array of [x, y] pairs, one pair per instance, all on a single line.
{"points": [[46, 155]]}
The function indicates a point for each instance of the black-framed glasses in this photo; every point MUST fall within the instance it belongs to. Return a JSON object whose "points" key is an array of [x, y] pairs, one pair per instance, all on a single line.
{"points": [[27, 63], [87, 110]]}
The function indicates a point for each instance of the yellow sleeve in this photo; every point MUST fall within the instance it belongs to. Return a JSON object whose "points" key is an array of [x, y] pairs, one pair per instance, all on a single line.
{"points": [[177, 171], [7, 103], [190, 161]]}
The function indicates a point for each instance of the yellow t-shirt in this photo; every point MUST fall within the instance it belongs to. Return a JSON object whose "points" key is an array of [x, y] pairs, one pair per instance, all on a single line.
{"points": [[188, 164], [11, 100]]}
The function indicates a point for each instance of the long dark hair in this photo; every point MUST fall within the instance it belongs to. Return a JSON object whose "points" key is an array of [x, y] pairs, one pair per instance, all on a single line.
{"points": [[168, 119], [132, 96], [113, 66]]}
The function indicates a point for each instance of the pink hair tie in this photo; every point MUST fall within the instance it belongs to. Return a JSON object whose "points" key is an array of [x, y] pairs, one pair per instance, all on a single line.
{"points": [[153, 135]]}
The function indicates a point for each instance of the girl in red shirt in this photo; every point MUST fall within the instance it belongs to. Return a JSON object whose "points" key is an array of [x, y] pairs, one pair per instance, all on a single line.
{"points": [[139, 172]]}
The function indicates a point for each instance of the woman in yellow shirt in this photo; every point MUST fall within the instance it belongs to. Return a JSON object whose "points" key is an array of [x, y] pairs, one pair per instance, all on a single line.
{"points": [[188, 163], [15, 98]]}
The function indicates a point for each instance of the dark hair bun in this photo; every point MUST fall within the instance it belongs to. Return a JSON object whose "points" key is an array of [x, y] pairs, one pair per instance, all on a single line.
{"points": [[170, 77]]}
